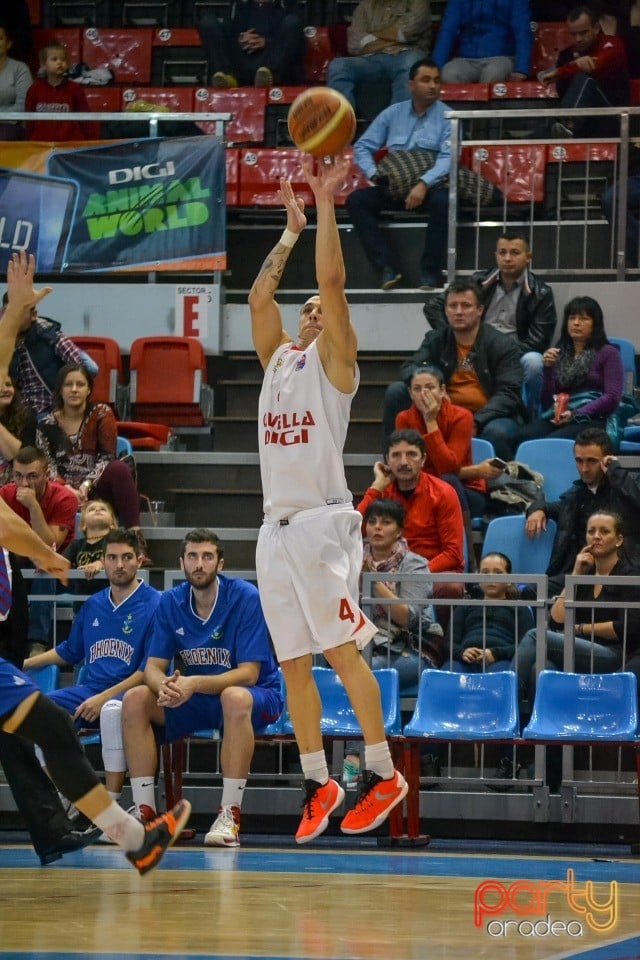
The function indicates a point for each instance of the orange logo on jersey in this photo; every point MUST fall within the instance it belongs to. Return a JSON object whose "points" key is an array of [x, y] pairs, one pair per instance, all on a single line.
{"points": [[287, 428]]}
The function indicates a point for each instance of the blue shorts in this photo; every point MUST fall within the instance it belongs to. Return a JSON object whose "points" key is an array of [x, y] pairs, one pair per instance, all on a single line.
{"points": [[15, 686], [70, 698], [203, 711]]}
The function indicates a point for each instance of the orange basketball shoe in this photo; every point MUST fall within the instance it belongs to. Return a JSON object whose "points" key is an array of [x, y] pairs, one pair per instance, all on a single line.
{"points": [[321, 799], [376, 800]]}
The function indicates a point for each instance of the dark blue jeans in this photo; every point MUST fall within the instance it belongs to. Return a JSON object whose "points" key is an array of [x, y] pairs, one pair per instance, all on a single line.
{"points": [[365, 207], [609, 200]]}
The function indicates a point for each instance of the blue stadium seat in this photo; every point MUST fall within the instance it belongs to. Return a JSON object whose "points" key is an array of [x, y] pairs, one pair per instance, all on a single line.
{"points": [[338, 718], [628, 354], [553, 458], [579, 707], [465, 706], [123, 446], [507, 535], [481, 450], [47, 678]]}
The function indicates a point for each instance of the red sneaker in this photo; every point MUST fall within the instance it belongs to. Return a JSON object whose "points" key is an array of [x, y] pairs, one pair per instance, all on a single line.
{"points": [[376, 800], [159, 835], [319, 803]]}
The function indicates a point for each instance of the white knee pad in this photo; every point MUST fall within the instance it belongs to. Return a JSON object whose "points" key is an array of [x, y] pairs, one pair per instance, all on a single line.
{"points": [[111, 735]]}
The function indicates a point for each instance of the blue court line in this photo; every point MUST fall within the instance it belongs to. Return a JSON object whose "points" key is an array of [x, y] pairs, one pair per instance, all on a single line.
{"points": [[398, 863]]}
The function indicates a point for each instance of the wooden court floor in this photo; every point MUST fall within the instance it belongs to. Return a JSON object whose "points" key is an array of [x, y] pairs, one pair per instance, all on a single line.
{"points": [[348, 902]]}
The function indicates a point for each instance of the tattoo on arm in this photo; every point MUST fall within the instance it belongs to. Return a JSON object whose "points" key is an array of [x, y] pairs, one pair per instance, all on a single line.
{"points": [[273, 266]]}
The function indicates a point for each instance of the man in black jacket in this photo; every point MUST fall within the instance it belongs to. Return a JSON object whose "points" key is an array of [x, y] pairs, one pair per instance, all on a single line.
{"points": [[517, 303], [603, 485], [481, 367]]}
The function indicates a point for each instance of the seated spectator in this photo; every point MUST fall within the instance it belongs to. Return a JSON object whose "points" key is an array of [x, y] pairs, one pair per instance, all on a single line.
{"points": [[447, 431], [433, 521], [604, 486], [484, 638], [584, 367], [17, 18], [621, 18], [384, 41], [17, 427], [407, 633], [609, 203], [86, 553], [592, 72], [79, 439], [50, 510], [110, 634], [481, 368], [41, 349], [15, 80], [517, 303], [261, 44], [493, 40], [54, 93], [418, 122], [601, 634]]}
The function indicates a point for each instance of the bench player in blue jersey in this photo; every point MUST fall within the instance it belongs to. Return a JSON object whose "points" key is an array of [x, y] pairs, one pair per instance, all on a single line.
{"points": [[27, 712], [215, 625]]}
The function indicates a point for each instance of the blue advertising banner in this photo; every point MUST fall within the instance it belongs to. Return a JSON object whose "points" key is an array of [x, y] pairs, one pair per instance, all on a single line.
{"points": [[36, 214], [146, 204]]}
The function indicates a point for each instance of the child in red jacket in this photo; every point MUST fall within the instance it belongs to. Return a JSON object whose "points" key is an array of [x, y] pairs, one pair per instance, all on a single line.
{"points": [[53, 92]]}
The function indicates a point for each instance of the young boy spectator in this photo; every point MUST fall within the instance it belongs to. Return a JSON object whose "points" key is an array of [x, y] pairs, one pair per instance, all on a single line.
{"points": [[53, 92], [86, 553]]}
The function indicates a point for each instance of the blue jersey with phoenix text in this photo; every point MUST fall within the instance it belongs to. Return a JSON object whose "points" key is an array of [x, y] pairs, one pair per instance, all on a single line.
{"points": [[112, 640], [235, 631]]}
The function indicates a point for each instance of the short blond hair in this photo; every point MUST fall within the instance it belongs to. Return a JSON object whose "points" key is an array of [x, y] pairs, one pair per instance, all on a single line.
{"points": [[44, 52]]}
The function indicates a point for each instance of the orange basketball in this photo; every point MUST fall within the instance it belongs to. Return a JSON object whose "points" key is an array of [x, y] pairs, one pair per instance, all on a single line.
{"points": [[321, 121]]}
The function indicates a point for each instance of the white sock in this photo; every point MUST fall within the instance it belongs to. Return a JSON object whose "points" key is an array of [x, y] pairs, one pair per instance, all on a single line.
{"points": [[144, 791], [120, 827], [232, 792], [314, 766], [116, 797], [377, 758]]}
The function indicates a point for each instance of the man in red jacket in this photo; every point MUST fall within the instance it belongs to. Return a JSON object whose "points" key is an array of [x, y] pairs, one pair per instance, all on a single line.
{"points": [[592, 72], [433, 523]]}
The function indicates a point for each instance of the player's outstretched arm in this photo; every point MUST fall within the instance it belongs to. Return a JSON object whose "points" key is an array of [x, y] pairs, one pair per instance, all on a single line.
{"points": [[337, 344], [22, 296], [266, 319], [17, 536]]}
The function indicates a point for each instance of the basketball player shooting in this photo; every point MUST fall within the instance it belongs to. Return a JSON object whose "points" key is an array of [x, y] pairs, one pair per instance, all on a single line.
{"points": [[309, 551], [24, 710]]}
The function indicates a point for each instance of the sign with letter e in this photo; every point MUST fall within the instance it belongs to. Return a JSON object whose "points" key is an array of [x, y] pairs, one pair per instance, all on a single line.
{"points": [[194, 310]]}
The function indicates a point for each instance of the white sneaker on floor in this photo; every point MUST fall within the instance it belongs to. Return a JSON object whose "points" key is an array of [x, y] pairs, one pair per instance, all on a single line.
{"points": [[142, 813], [225, 829]]}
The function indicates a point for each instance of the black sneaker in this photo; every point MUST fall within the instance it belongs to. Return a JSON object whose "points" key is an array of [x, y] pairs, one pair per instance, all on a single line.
{"points": [[504, 771], [160, 834]]}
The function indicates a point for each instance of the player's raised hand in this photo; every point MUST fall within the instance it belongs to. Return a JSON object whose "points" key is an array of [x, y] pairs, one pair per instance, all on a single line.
{"points": [[296, 220], [330, 174], [20, 276]]}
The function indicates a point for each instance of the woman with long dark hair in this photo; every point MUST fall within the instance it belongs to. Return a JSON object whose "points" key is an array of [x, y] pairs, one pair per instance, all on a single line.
{"points": [[17, 427], [585, 368], [80, 440]]}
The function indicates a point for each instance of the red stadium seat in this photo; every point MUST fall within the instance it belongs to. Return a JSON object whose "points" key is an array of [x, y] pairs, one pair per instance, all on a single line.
{"points": [[567, 152], [127, 53], [106, 353], [233, 176], [247, 104], [35, 11], [69, 37], [177, 99], [550, 39], [279, 99], [144, 436], [166, 376], [635, 92], [474, 92], [178, 57], [100, 100], [317, 55], [260, 172], [518, 170], [355, 181], [522, 90]]}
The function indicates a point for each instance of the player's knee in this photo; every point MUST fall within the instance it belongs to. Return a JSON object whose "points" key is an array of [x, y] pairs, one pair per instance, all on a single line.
{"points": [[236, 703], [137, 704]]}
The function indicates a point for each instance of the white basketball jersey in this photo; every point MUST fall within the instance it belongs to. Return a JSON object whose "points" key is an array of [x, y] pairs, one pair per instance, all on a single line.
{"points": [[303, 422]]}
